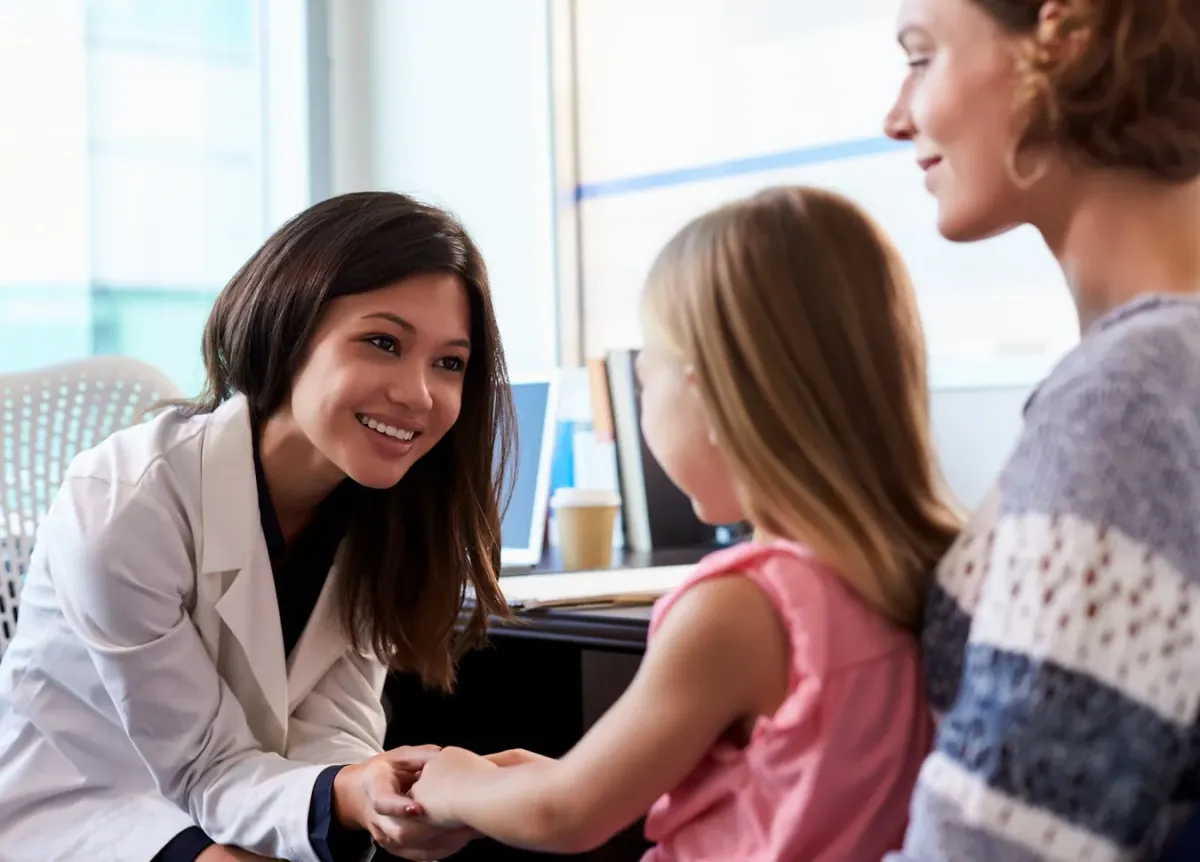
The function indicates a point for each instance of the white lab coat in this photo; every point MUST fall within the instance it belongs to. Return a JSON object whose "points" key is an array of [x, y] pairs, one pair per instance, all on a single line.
{"points": [[146, 689]]}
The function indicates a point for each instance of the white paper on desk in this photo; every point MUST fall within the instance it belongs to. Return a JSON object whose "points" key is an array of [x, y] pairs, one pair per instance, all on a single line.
{"points": [[584, 588]]}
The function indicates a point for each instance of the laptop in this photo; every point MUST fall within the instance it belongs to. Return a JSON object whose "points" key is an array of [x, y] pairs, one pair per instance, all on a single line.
{"points": [[526, 485]]}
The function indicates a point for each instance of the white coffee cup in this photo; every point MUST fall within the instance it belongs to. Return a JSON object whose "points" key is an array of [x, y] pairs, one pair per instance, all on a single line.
{"points": [[586, 519]]}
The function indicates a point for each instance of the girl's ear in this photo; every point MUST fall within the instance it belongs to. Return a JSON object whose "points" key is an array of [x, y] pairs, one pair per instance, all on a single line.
{"points": [[689, 376]]}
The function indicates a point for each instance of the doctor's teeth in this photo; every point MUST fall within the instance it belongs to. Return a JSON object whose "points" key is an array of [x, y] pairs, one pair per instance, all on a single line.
{"points": [[389, 430]]}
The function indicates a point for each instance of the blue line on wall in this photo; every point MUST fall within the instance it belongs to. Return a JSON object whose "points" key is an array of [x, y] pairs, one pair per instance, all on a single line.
{"points": [[740, 167]]}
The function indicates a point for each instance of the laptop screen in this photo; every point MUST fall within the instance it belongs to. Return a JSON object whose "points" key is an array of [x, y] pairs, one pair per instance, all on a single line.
{"points": [[526, 485]]}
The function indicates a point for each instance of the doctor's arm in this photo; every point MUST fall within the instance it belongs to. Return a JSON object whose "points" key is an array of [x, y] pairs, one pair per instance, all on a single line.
{"points": [[340, 721], [720, 654], [121, 557]]}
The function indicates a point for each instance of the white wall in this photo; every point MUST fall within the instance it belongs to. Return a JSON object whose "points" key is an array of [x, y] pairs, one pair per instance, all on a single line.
{"points": [[974, 431], [450, 101]]}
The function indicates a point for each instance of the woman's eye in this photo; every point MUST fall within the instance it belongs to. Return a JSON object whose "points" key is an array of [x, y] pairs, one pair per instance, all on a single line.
{"points": [[917, 63], [453, 363], [383, 342]]}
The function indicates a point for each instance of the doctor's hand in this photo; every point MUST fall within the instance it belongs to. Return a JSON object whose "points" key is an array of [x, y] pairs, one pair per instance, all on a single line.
{"points": [[373, 795]]}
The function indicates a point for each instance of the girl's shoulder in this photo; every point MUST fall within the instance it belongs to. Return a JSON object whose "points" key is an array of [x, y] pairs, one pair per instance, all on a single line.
{"points": [[828, 626]]}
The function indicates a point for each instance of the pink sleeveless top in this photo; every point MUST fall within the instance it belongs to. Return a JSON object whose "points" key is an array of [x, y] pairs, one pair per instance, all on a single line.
{"points": [[827, 778]]}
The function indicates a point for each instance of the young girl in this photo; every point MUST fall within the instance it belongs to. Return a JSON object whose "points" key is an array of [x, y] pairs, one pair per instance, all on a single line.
{"points": [[778, 712]]}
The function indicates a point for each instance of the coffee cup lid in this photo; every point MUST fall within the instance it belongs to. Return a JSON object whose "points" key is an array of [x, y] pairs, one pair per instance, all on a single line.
{"points": [[585, 497]]}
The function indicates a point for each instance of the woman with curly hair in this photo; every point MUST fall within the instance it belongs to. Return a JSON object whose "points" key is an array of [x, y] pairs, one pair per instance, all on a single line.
{"points": [[1061, 639]]}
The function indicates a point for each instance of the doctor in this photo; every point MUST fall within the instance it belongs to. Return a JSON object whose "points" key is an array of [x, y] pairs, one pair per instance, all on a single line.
{"points": [[215, 594]]}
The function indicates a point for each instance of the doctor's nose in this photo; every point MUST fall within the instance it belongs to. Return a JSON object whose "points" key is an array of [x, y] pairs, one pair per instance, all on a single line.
{"points": [[411, 390]]}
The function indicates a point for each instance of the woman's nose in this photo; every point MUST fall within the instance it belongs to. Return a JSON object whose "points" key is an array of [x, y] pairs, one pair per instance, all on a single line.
{"points": [[897, 124]]}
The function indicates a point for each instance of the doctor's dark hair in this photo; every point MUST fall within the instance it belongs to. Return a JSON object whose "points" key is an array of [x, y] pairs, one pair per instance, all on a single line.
{"points": [[410, 551]]}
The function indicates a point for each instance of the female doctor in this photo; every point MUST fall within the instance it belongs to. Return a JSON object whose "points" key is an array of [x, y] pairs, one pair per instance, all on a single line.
{"points": [[215, 594]]}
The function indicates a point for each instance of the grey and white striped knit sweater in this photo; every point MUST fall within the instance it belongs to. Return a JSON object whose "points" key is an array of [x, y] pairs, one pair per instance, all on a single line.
{"points": [[1063, 638]]}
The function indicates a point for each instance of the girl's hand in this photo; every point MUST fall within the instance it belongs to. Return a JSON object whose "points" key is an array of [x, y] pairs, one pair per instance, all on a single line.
{"points": [[442, 780], [516, 757], [374, 795]]}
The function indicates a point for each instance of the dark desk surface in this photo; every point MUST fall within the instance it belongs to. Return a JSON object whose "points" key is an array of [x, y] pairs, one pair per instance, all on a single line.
{"points": [[620, 629]]}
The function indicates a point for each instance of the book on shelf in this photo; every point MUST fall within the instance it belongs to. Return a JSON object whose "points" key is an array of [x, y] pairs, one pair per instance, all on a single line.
{"points": [[655, 513]]}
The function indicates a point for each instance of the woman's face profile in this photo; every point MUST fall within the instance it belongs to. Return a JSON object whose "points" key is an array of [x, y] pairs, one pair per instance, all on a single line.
{"points": [[956, 106], [382, 382]]}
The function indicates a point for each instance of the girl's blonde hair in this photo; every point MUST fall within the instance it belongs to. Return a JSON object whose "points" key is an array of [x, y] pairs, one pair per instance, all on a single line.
{"points": [[799, 320]]}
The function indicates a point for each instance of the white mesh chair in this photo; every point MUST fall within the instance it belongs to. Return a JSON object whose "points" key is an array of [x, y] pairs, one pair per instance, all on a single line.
{"points": [[47, 417]]}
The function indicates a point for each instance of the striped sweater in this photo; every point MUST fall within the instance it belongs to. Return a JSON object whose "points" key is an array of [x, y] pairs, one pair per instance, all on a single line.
{"points": [[1062, 641]]}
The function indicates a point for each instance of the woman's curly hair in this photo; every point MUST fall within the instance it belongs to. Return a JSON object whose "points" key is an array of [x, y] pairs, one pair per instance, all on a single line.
{"points": [[1116, 80]]}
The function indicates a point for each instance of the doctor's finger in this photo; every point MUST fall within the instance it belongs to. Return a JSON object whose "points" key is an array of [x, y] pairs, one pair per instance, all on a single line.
{"points": [[411, 840], [396, 805], [404, 779], [411, 756], [392, 782]]}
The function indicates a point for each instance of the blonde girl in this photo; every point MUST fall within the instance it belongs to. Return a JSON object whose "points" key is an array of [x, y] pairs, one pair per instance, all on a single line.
{"points": [[778, 713]]}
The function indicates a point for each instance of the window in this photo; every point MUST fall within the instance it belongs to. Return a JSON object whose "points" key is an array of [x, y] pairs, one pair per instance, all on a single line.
{"points": [[135, 162], [450, 102], [685, 104]]}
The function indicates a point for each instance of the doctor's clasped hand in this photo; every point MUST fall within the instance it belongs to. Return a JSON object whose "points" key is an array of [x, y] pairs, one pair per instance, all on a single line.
{"points": [[374, 796]]}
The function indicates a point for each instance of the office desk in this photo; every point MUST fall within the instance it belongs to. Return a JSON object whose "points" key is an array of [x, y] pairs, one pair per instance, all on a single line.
{"points": [[543, 681]]}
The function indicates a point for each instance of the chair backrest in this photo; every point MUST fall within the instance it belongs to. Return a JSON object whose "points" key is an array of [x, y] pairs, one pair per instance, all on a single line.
{"points": [[47, 417]]}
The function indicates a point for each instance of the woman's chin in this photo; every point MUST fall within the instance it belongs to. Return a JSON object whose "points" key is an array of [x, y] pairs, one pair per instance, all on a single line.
{"points": [[962, 224]]}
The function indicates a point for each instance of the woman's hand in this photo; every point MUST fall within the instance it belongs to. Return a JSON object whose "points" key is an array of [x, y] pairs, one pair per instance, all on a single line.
{"points": [[373, 795], [442, 780]]}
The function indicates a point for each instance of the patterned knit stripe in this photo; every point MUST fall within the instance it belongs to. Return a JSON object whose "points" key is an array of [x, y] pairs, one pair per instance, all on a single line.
{"points": [[956, 816], [943, 638], [1061, 742], [1097, 603], [953, 599], [1113, 438]]}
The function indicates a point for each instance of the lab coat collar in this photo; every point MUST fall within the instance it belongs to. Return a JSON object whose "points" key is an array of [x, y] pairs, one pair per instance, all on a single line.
{"points": [[234, 551]]}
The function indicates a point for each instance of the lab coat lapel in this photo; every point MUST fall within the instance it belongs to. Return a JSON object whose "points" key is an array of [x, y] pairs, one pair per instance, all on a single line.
{"points": [[235, 571], [322, 642]]}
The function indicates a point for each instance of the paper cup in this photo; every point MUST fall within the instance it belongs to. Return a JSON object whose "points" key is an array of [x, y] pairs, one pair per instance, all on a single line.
{"points": [[586, 519]]}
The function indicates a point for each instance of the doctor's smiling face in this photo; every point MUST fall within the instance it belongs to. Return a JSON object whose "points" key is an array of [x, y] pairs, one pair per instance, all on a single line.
{"points": [[363, 339], [382, 381]]}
